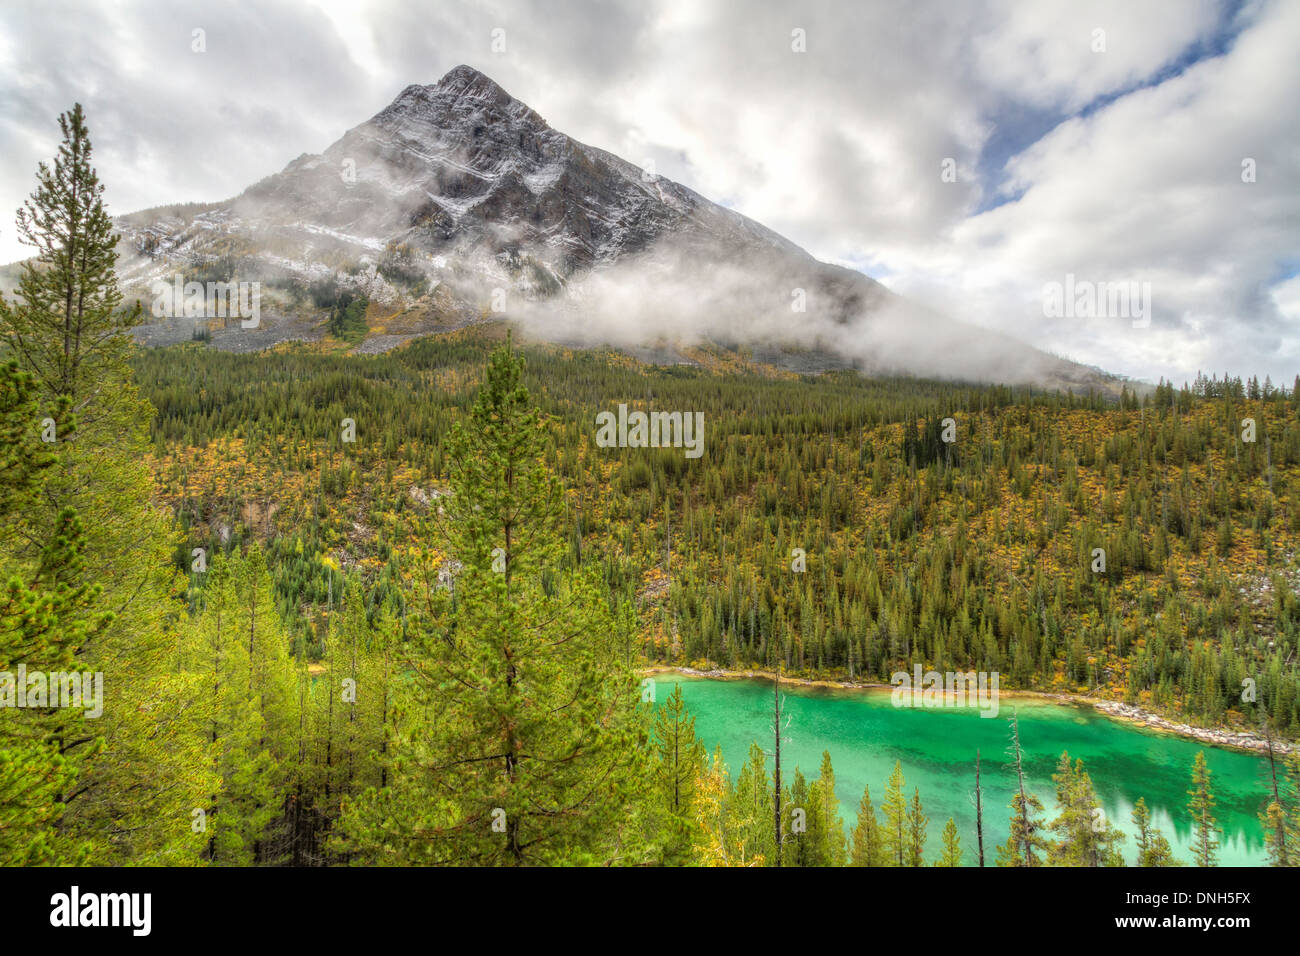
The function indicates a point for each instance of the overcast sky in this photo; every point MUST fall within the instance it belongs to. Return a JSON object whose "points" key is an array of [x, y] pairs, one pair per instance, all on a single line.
{"points": [[1103, 140]]}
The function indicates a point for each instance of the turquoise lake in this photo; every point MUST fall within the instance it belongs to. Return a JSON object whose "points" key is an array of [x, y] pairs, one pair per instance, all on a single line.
{"points": [[866, 734]]}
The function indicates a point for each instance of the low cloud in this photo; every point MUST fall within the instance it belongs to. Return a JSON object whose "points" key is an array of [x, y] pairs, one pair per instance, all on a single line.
{"points": [[670, 295]]}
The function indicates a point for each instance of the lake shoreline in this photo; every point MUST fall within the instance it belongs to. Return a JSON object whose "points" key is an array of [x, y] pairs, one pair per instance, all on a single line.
{"points": [[1115, 710]]}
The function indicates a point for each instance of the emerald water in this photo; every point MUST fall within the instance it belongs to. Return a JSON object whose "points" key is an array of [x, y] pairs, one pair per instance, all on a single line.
{"points": [[866, 734]]}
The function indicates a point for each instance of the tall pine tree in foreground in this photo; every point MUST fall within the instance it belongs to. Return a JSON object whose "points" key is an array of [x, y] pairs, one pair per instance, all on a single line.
{"points": [[45, 620], [522, 740], [66, 325], [681, 760], [143, 767]]}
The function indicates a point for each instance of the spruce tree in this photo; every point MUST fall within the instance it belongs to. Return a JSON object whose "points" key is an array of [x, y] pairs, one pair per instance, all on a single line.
{"points": [[749, 817], [916, 825], [521, 741], [951, 855], [831, 846], [1205, 841], [1273, 819], [1084, 836], [894, 832], [803, 841], [681, 759], [867, 846], [1153, 849]]}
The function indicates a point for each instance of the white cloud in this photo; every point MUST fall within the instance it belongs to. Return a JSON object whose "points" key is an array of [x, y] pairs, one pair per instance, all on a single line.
{"points": [[1065, 54], [839, 148], [1150, 189]]}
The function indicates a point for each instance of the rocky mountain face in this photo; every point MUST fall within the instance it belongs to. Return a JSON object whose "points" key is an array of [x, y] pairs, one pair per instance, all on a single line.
{"points": [[458, 203]]}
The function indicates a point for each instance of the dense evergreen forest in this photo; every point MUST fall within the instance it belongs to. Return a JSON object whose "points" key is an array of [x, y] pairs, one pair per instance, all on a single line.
{"points": [[393, 609], [979, 554]]}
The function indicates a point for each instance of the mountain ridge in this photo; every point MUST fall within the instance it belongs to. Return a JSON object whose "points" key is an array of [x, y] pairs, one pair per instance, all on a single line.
{"points": [[457, 201]]}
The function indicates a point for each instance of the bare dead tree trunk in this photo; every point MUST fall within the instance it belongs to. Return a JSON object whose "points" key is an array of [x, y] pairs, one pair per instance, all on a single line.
{"points": [[1020, 782], [1283, 856], [776, 731], [979, 809]]}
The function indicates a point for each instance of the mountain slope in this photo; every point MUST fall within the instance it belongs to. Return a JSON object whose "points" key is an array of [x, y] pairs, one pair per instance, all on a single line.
{"points": [[457, 201]]}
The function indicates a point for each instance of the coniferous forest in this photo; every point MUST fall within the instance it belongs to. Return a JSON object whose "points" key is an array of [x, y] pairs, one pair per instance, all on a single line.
{"points": [[399, 609]]}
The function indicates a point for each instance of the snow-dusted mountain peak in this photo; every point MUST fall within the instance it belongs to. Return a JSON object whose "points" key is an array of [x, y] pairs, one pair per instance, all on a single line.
{"points": [[458, 201]]}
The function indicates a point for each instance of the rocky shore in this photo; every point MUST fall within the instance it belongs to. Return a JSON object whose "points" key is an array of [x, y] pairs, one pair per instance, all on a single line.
{"points": [[1242, 739]]}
